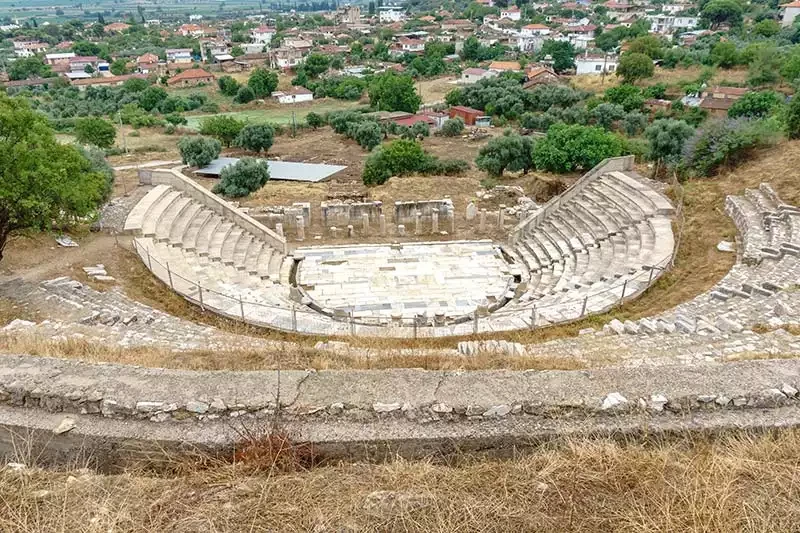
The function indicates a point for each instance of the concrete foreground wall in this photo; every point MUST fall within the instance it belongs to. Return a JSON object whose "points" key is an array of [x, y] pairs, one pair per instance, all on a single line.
{"points": [[122, 411]]}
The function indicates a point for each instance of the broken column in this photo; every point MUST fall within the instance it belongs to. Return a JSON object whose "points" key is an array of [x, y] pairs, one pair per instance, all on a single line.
{"points": [[472, 212], [301, 227], [482, 221], [365, 223], [417, 225], [434, 221], [350, 230], [382, 224], [279, 228], [401, 229], [334, 232], [452, 223]]}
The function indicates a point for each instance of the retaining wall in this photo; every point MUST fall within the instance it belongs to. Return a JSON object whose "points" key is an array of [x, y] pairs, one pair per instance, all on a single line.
{"points": [[369, 413]]}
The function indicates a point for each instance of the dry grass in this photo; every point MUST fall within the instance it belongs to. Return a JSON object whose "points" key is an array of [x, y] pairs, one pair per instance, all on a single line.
{"points": [[736, 483]]}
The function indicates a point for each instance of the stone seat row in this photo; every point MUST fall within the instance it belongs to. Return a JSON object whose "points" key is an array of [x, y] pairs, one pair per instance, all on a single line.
{"points": [[168, 216], [760, 282]]}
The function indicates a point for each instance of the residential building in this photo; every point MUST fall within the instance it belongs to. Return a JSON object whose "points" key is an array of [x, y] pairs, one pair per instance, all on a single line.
{"points": [[666, 24], [469, 115], [790, 12], [390, 14], [295, 95], [79, 63], [191, 78], [179, 56], [116, 27], [530, 30], [191, 30], [511, 13], [473, 75], [349, 15], [107, 81], [262, 35], [505, 66], [540, 75], [596, 64], [59, 59], [29, 48], [285, 58]]}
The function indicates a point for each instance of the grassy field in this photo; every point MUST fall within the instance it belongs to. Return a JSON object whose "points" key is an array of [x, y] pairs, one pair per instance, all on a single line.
{"points": [[278, 115], [737, 483]]}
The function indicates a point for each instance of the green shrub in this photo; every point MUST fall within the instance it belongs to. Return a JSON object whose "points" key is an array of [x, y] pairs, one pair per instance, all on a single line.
{"points": [[368, 134], [394, 159], [223, 127], [256, 137], [95, 131], [452, 127], [570, 148], [198, 151], [510, 152], [246, 176]]}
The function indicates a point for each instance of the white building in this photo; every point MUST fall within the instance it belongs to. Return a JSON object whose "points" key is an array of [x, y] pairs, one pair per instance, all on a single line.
{"points": [[28, 48], [511, 13], [473, 75], [179, 55], [669, 23], [389, 14], [596, 64], [262, 34], [790, 11], [295, 95]]}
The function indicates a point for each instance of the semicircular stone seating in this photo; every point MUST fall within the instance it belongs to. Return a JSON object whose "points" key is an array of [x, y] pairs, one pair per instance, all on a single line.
{"points": [[604, 240], [610, 240], [760, 289]]}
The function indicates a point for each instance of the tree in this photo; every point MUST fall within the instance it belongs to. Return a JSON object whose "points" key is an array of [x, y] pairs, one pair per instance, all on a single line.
{"points": [[765, 67], [244, 95], [151, 98], [198, 151], [135, 85], [315, 120], [756, 104], [666, 138], [562, 54], [316, 64], [263, 82], [368, 134], [570, 148], [394, 159], [119, 67], [634, 123], [223, 127], [717, 12], [96, 131], [649, 45], [634, 67], [791, 65], [767, 28], [793, 119], [45, 183], [228, 86], [393, 92], [29, 67], [724, 54], [628, 96], [452, 127], [86, 48], [471, 49], [240, 179], [605, 115], [256, 137], [510, 152]]}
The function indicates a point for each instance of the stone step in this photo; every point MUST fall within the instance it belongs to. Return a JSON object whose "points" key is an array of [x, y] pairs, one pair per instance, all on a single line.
{"points": [[198, 222], [170, 215], [181, 224], [252, 255], [206, 233], [218, 239], [240, 250], [138, 214], [156, 211], [229, 245], [264, 261]]}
